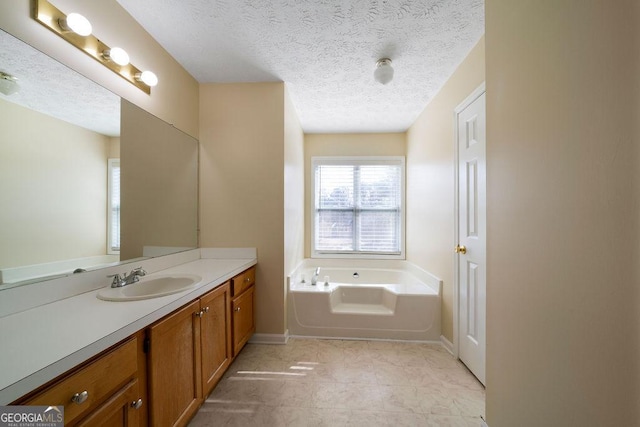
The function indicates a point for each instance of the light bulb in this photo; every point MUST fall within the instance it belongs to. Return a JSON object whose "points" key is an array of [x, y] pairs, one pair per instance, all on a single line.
{"points": [[8, 84], [76, 23], [147, 77], [117, 55], [384, 71]]}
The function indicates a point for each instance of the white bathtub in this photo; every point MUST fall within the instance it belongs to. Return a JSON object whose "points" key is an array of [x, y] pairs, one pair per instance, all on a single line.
{"points": [[381, 299]]}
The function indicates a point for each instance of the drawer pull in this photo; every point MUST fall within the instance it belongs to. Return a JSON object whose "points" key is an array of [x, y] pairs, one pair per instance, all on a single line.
{"points": [[136, 404], [248, 279], [237, 308], [80, 398]]}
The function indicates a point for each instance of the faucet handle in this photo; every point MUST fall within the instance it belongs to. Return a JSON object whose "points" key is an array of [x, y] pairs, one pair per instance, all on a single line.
{"points": [[117, 279], [138, 271]]}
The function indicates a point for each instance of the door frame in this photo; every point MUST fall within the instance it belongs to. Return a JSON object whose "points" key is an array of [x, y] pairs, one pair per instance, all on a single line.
{"points": [[456, 217]]}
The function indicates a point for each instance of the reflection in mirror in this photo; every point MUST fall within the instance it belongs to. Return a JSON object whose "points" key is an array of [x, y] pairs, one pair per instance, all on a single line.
{"points": [[57, 135], [159, 186]]}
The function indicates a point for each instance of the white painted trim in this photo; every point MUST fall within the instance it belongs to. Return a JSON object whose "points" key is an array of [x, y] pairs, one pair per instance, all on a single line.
{"points": [[483, 423], [448, 345], [270, 338], [456, 209]]}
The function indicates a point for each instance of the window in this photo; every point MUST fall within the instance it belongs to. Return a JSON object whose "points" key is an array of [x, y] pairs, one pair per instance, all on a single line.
{"points": [[113, 207], [358, 207]]}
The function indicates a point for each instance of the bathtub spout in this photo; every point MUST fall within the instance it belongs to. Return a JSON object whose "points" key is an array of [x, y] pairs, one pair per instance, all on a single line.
{"points": [[314, 278]]}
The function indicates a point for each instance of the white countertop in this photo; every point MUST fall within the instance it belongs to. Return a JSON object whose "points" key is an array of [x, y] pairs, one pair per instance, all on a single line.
{"points": [[41, 343]]}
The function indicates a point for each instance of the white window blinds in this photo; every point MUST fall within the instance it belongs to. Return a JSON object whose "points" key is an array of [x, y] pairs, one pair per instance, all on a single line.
{"points": [[358, 205], [113, 245]]}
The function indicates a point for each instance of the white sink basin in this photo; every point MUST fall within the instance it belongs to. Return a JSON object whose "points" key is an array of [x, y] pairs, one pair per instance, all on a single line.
{"points": [[151, 287]]}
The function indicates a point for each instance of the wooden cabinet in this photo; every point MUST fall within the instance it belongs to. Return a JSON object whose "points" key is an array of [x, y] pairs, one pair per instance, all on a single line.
{"points": [[243, 320], [160, 375], [175, 385], [102, 392], [189, 351], [242, 305], [215, 334], [119, 410]]}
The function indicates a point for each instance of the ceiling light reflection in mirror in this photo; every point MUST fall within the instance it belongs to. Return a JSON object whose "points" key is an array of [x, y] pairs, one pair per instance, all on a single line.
{"points": [[53, 89]]}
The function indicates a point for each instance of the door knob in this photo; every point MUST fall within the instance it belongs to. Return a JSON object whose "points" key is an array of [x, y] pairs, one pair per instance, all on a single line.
{"points": [[460, 249]]}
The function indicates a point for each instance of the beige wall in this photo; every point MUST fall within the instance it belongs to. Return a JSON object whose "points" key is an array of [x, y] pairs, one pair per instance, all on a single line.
{"points": [[563, 288], [430, 179], [293, 188], [114, 147], [53, 182], [344, 144], [175, 99], [242, 163], [159, 184]]}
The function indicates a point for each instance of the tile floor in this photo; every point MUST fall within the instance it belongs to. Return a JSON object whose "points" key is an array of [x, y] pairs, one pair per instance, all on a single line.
{"points": [[312, 382]]}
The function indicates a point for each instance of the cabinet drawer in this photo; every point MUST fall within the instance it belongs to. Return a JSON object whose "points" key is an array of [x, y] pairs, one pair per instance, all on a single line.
{"points": [[242, 281], [99, 379]]}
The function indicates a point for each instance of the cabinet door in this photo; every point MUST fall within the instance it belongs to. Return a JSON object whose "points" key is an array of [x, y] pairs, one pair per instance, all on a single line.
{"points": [[175, 384], [243, 323], [215, 335], [119, 411]]}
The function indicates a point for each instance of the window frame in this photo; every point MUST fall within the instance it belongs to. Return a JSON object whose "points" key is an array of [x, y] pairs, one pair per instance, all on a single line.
{"points": [[111, 163], [360, 161]]}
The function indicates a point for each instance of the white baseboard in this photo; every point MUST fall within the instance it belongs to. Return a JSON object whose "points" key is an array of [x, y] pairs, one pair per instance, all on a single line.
{"points": [[270, 338], [446, 344]]}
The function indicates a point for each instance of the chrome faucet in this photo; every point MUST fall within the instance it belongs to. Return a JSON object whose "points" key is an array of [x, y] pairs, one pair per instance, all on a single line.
{"points": [[314, 278], [120, 280]]}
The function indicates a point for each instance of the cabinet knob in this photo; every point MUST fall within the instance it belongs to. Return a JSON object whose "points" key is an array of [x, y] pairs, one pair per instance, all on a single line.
{"points": [[248, 279], [80, 398], [237, 308], [136, 404], [199, 313], [206, 309]]}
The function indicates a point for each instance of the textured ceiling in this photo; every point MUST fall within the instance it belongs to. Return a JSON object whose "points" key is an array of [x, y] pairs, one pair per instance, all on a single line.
{"points": [[324, 50], [51, 88]]}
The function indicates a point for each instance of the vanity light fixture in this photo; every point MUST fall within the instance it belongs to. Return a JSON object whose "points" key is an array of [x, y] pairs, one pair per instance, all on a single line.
{"points": [[8, 84], [117, 55], [76, 23], [384, 71], [77, 30]]}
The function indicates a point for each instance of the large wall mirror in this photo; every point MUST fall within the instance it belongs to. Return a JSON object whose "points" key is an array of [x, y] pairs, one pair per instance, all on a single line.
{"points": [[86, 180]]}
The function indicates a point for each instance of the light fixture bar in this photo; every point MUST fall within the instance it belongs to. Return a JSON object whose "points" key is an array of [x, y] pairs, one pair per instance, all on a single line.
{"points": [[50, 16]]}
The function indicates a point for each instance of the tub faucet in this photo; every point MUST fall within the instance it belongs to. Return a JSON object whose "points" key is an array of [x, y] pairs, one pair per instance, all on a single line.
{"points": [[314, 278]]}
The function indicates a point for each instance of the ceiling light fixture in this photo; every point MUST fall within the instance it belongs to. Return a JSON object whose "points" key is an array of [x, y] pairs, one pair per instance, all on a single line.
{"points": [[8, 84], [76, 29], [147, 77], [384, 71], [117, 55], [76, 23]]}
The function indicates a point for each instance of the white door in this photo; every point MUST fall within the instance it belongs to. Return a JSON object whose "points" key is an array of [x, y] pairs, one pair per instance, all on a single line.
{"points": [[471, 232]]}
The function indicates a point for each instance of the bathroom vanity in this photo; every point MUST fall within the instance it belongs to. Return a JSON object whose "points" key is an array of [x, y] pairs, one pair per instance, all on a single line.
{"points": [[151, 361]]}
